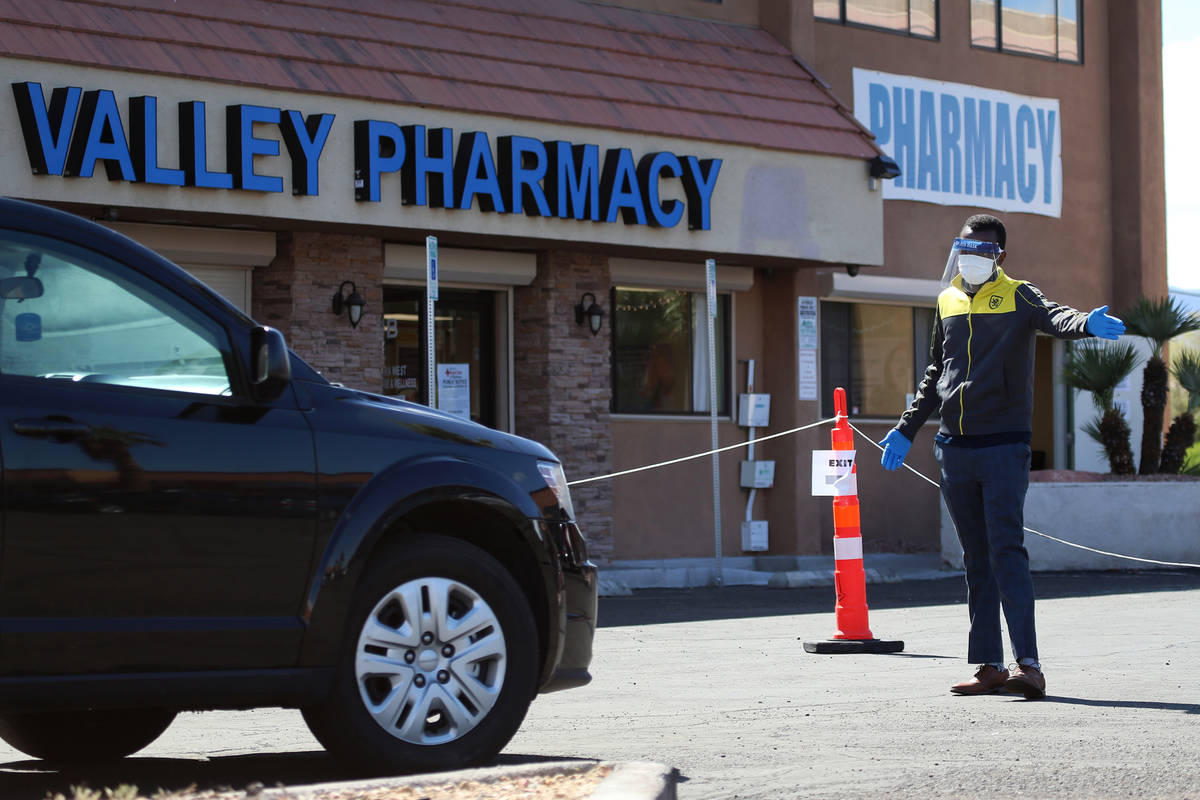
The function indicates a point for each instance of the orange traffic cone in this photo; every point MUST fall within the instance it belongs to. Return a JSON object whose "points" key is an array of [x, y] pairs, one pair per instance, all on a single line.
{"points": [[849, 580]]}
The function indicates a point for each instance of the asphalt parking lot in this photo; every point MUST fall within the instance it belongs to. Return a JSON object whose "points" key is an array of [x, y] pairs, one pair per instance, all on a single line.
{"points": [[715, 682]]}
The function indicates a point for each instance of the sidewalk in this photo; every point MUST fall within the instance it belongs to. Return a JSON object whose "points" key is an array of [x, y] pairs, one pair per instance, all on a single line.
{"points": [[620, 578]]}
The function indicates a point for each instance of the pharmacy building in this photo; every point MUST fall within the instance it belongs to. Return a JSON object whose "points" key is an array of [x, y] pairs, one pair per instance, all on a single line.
{"points": [[588, 173]]}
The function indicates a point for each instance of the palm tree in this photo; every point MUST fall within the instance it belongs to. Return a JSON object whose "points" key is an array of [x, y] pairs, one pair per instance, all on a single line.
{"points": [[1097, 368], [1159, 321], [1182, 433]]}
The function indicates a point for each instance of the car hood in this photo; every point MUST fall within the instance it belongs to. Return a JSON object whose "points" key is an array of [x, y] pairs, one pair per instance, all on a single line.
{"points": [[383, 414]]}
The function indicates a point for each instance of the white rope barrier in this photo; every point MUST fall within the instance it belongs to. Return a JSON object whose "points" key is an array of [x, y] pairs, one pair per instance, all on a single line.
{"points": [[1039, 533], [702, 455], [923, 477]]}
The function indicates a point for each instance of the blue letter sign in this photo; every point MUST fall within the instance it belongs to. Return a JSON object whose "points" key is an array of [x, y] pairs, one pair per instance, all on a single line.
{"points": [[47, 129], [74, 130], [964, 145]]}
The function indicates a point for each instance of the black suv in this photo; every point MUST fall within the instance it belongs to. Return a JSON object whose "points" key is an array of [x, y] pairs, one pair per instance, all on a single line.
{"points": [[193, 518]]}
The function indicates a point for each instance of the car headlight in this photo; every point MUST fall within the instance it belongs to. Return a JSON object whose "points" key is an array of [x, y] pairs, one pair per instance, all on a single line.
{"points": [[556, 479]]}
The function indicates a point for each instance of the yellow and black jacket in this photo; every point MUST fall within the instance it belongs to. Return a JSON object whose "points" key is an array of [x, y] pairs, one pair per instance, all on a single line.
{"points": [[981, 358]]}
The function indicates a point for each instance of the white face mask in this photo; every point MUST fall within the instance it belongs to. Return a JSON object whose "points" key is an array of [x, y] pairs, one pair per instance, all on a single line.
{"points": [[974, 269]]}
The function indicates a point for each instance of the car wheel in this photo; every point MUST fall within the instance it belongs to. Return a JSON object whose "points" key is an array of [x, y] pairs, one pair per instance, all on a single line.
{"points": [[84, 736], [438, 665]]}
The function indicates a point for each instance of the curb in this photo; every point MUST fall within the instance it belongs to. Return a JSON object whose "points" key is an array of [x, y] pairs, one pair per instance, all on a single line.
{"points": [[622, 579], [798, 579], [629, 780], [637, 780]]}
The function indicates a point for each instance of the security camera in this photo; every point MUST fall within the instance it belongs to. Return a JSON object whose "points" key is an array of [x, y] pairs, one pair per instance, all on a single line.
{"points": [[852, 269]]}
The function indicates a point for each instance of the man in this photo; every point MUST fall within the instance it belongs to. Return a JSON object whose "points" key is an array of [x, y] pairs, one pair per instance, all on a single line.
{"points": [[981, 378]]}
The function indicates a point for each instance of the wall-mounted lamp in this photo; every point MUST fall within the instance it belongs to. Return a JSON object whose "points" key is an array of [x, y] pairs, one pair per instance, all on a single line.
{"points": [[353, 305], [593, 312]]}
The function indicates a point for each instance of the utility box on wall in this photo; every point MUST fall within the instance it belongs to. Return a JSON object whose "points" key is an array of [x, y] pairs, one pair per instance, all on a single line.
{"points": [[758, 474], [754, 410], [754, 536]]}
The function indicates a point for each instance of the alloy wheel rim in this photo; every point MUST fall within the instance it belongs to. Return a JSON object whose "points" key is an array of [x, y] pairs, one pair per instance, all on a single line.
{"points": [[430, 661]]}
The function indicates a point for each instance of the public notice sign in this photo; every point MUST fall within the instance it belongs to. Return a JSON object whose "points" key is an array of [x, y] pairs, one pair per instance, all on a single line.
{"points": [[833, 473], [454, 389], [958, 144]]}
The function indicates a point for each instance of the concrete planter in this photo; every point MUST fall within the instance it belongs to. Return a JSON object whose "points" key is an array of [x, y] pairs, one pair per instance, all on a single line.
{"points": [[1158, 520]]}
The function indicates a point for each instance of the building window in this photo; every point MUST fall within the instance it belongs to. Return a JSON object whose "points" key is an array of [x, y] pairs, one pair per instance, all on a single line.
{"points": [[914, 17], [1045, 28], [877, 353], [660, 352]]}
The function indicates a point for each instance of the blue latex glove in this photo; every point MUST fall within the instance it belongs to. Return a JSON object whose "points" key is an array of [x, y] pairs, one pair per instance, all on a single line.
{"points": [[895, 448], [1102, 324]]}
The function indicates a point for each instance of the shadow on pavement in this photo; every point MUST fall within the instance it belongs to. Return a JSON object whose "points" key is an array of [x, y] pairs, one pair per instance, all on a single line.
{"points": [[656, 606], [34, 780], [512, 759], [917, 655], [1187, 708]]}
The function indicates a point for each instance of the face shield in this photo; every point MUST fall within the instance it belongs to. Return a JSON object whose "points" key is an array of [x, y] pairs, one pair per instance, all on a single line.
{"points": [[972, 259]]}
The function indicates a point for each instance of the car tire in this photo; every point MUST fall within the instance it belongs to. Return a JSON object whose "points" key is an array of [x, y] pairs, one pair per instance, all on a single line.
{"points": [[438, 663], [84, 736]]}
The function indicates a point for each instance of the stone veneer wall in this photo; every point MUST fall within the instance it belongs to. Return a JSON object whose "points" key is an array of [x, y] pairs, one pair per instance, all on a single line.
{"points": [[563, 383], [294, 294]]}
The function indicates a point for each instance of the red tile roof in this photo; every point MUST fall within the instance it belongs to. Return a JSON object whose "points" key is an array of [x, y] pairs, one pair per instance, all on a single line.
{"points": [[562, 60]]}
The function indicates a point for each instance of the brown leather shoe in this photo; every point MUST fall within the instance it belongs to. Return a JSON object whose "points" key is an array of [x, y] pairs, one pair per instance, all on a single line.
{"points": [[987, 680], [1028, 681]]}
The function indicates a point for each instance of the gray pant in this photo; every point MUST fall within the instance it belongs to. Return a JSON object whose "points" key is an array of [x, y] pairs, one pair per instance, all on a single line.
{"points": [[985, 490]]}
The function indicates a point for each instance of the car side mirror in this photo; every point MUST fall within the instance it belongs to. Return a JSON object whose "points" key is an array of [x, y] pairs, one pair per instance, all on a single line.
{"points": [[21, 288], [271, 367]]}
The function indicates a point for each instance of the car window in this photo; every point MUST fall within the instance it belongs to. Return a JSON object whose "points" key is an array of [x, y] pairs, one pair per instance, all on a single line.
{"points": [[71, 314]]}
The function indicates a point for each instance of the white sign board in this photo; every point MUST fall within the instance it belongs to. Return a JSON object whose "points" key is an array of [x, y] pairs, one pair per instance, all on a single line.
{"points": [[806, 323], [964, 145], [808, 374], [833, 473], [807, 342], [431, 267], [454, 389]]}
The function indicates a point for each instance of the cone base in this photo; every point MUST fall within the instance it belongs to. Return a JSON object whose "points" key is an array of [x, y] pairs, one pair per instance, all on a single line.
{"points": [[854, 646]]}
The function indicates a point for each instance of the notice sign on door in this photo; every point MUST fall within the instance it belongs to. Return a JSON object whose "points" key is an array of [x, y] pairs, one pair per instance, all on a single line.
{"points": [[833, 473], [454, 389]]}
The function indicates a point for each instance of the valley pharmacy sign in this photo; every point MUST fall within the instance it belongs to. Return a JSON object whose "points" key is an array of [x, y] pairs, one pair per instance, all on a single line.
{"points": [[964, 145]]}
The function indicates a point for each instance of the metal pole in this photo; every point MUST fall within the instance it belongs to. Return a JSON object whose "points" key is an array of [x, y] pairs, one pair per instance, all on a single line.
{"points": [[750, 448], [431, 296], [710, 267]]}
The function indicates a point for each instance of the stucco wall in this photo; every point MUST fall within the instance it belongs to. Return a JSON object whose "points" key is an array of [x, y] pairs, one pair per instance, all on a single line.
{"points": [[1109, 153], [667, 513]]}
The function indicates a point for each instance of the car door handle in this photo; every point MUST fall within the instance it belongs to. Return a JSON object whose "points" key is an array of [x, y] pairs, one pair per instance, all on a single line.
{"points": [[60, 429]]}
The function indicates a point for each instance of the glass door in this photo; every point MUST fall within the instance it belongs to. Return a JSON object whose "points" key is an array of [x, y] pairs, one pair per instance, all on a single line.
{"points": [[464, 337]]}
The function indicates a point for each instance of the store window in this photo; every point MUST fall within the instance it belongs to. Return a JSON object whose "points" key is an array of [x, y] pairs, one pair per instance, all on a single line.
{"points": [[913, 17], [877, 353], [660, 352], [1046, 28]]}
